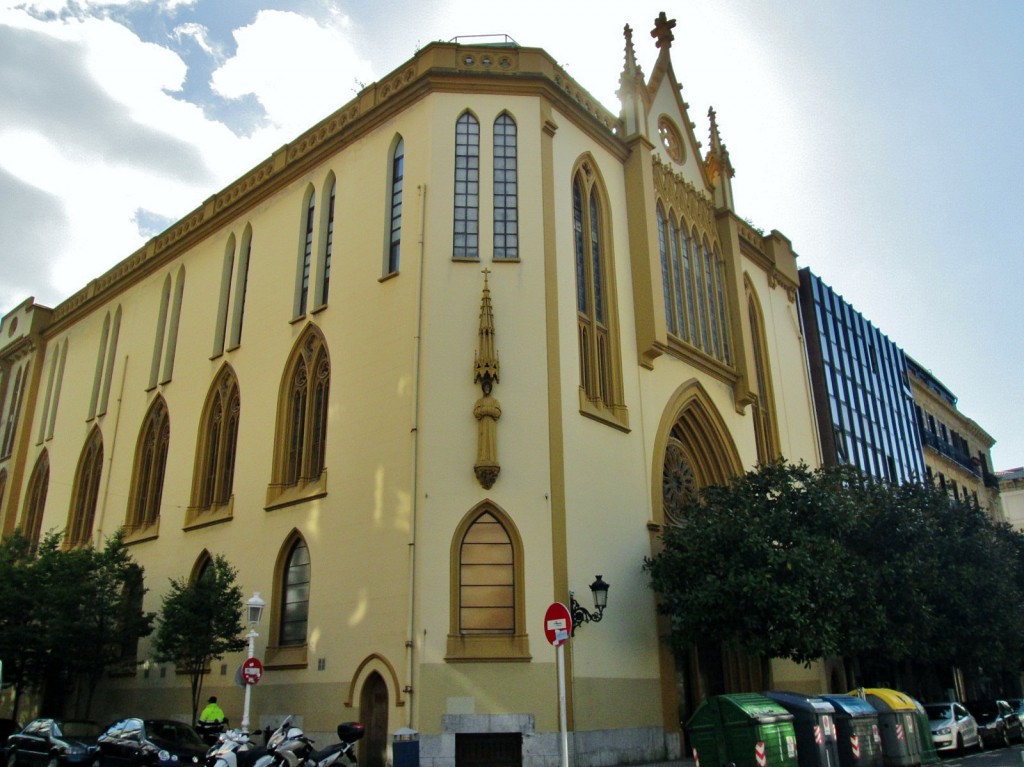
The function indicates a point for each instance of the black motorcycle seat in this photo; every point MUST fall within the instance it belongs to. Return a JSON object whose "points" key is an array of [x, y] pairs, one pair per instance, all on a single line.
{"points": [[319, 756]]}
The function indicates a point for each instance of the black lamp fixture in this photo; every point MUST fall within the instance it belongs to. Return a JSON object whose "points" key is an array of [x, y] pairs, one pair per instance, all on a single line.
{"points": [[580, 614]]}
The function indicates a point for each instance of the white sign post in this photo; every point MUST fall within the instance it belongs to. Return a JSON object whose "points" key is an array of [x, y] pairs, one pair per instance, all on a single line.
{"points": [[557, 625]]}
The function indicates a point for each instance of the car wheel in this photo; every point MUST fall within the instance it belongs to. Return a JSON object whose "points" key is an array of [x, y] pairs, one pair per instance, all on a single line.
{"points": [[53, 761], [12, 758], [1005, 739], [959, 744]]}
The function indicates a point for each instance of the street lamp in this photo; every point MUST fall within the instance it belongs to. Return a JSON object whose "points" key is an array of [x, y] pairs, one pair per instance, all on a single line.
{"points": [[580, 614], [254, 611]]}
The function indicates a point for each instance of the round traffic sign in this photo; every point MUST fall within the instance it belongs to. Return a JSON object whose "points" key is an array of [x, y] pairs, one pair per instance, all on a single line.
{"points": [[252, 670], [557, 624]]}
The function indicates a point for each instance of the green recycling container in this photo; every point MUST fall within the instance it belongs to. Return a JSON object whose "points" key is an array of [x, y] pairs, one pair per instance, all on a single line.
{"points": [[746, 729], [898, 722], [857, 734], [924, 729]]}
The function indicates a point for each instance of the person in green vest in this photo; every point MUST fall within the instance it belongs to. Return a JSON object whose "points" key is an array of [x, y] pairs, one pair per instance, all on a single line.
{"points": [[212, 713]]}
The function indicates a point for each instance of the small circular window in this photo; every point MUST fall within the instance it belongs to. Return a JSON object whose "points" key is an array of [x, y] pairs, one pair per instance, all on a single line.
{"points": [[670, 139]]}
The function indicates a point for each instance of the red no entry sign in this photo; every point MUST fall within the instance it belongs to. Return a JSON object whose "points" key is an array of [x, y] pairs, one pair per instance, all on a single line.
{"points": [[252, 670], [557, 624]]}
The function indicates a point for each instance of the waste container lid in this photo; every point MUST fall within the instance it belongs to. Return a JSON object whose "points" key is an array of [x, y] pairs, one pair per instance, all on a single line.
{"points": [[405, 733], [851, 705], [795, 701], [757, 707], [884, 699]]}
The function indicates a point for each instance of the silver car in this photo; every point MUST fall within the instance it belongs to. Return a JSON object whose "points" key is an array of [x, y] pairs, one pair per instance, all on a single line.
{"points": [[953, 727]]}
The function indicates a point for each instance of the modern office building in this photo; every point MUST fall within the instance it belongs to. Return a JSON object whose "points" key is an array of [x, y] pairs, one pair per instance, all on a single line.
{"points": [[862, 392], [422, 372], [957, 451]]}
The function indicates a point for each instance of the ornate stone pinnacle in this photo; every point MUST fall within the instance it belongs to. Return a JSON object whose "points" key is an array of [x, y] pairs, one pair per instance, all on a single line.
{"points": [[486, 364]]}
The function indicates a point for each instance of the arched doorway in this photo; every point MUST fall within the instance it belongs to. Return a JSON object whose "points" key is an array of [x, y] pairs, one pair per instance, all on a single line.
{"points": [[694, 449], [373, 713]]}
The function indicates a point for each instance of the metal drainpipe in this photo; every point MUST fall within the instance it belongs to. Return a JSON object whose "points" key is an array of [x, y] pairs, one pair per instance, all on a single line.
{"points": [[411, 634]]}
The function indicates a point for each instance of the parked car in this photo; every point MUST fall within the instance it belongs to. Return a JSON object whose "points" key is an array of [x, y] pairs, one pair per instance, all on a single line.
{"points": [[998, 724], [142, 742], [1017, 704], [53, 743], [7, 728], [953, 727]]}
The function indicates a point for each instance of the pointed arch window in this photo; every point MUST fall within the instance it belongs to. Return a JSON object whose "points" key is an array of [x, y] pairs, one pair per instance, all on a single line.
{"points": [[10, 424], [600, 374], [35, 501], [165, 340], [466, 236], [217, 449], [150, 467], [86, 491], [241, 286], [506, 188], [762, 410], [396, 179], [693, 277], [325, 273], [295, 595], [487, 593], [300, 450], [226, 274], [306, 255]]}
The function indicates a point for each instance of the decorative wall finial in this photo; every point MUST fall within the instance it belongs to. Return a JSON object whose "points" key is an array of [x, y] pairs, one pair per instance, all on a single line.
{"points": [[719, 167], [663, 31], [487, 410], [632, 92]]}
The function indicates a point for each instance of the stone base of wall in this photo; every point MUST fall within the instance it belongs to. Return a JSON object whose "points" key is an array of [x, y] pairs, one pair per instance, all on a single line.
{"points": [[595, 748]]}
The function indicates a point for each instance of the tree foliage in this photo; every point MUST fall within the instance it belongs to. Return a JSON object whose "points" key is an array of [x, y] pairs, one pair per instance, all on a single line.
{"points": [[792, 563], [70, 615], [200, 620]]}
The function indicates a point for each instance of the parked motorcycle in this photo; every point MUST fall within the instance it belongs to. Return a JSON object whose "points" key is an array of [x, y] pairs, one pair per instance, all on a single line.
{"points": [[236, 748], [289, 746]]}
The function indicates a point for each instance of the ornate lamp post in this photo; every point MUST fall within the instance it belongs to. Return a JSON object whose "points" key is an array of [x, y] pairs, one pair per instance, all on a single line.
{"points": [[254, 611], [580, 614]]}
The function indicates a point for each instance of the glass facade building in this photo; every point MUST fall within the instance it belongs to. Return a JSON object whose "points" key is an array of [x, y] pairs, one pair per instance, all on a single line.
{"points": [[862, 394]]}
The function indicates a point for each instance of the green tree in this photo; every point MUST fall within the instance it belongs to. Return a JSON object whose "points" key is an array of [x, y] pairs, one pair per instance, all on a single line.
{"points": [[791, 563], [87, 618], [17, 634], [758, 565], [200, 620]]}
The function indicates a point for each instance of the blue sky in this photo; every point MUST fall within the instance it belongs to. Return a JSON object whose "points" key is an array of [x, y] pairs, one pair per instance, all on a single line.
{"points": [[882, 138]]}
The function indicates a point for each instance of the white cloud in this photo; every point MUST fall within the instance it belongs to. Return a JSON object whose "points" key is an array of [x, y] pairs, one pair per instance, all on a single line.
{"points": [[299, 70], [200, 34]]}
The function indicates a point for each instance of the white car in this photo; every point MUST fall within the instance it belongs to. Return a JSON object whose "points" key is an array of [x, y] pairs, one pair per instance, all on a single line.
{"points": [[953, 727]]}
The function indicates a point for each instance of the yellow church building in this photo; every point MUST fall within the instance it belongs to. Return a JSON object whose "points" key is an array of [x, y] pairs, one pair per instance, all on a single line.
{"points": [[434, 365]]}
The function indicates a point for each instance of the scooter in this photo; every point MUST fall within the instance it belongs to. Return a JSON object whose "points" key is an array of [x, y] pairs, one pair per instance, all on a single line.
{"points": [[289, 746], [235, 748]]}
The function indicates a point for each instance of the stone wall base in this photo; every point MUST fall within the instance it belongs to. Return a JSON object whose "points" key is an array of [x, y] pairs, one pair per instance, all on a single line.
{"points": [[593, 748]]}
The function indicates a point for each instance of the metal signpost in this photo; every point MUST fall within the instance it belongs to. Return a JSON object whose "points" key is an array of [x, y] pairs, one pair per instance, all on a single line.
{"points": [[557, 625]]}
